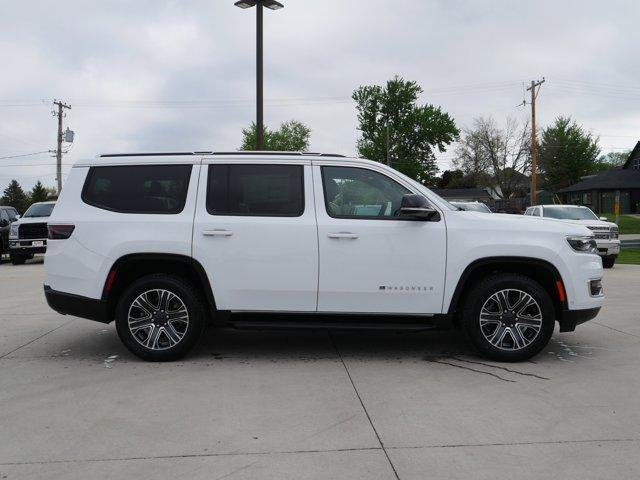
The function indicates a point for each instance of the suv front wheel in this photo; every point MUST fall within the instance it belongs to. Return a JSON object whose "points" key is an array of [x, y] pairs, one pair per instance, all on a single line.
{"points": [[508, 317], [160, 317]]}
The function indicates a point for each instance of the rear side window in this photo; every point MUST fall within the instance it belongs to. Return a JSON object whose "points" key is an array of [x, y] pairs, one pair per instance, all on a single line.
{"points": [[255, 190], [156, 189]]}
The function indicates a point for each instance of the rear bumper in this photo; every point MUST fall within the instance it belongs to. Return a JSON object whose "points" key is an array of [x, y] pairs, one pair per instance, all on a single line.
{"points": [[571, 318], [69, 304]]}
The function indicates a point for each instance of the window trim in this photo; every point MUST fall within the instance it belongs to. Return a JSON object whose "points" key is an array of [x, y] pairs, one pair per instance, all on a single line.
{"points": [[263, 215], [92, 170], [365, 217]]}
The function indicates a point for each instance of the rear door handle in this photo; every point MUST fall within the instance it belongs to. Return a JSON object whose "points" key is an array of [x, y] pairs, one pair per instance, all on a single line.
{"points": [[217, 233], [349, 235]]}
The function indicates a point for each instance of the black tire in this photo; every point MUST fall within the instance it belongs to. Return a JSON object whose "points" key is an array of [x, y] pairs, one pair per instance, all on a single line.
{"points": [[159, 321], [608, 262], [18, 259], [532, 338]]}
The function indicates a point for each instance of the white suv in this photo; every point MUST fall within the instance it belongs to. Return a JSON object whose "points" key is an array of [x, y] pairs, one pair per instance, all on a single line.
{"points": [[605, 233], [164, 243]]}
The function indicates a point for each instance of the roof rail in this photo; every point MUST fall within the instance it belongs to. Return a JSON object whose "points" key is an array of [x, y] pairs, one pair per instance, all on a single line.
{"points": [[169, 154]]}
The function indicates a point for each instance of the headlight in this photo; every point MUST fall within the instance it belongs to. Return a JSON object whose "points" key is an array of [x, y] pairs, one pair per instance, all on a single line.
{"points": [[583, 244], [13, 231], [615, 233]]}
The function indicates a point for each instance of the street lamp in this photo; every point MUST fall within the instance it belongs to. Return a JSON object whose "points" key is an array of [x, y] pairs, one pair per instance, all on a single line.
{"points": [[271, 5]]}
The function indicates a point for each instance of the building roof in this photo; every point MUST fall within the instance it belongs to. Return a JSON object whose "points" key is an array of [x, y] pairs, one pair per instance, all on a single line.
{"points": [[635, 153], [612, 179], [461, 192]]}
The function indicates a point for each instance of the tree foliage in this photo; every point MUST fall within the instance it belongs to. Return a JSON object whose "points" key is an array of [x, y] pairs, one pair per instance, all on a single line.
{"points": [[495, 157], [566, 153], [390, 116], [14, 196], [292, 136], [612, 160], [39, 193]]}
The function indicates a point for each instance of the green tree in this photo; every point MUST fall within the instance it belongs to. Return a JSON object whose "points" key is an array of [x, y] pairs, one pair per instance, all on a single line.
{"points": [[14, 196], [390, 119], [292, 136], [612, 160], [39, 193], [566, 153]]}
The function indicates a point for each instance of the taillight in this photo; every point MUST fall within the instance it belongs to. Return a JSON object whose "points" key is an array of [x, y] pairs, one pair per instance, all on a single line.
{"points": [[60, 232]]}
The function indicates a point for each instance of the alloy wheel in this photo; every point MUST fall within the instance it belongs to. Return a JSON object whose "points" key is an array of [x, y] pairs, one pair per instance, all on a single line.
{"points": [[510, 319], [158, 319]]}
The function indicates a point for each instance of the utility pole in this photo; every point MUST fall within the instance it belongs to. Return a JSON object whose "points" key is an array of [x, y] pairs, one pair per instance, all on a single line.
{"points": [[534, 88], [60, 113]]}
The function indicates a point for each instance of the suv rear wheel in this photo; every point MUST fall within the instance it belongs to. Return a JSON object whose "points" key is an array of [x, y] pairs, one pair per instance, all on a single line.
{"points": [[508, 317], [160, 317]]}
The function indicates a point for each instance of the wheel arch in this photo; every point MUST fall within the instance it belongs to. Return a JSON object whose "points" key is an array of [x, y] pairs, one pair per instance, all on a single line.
{"points": [[129, 268], [539, 270]]}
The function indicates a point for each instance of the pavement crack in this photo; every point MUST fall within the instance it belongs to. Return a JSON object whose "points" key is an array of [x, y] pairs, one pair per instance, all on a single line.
{"points": [[36, 339], [366, 412], [502, 368], [616, 330], [436, 360]]}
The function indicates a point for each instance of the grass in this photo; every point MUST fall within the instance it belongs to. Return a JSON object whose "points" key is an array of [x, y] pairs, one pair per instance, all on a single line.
{"points": [[626, 223], [630, 256]]}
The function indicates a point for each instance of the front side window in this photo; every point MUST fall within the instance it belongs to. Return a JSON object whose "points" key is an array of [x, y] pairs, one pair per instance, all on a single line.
{"points": [[154, 189], [255, 190], [360, 193], [4, 216]]}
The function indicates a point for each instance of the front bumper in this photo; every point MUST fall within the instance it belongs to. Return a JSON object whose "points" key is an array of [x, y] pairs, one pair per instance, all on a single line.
{"points": [[571, 318], [608, 248], [25, 246], [78, 306]]}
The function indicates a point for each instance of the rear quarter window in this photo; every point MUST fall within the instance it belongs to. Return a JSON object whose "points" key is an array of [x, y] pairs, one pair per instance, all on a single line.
{"points": [[153, 189]]}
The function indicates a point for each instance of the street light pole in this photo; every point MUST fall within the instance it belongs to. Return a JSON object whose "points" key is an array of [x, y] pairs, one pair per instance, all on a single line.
{"points": [[259, 78], [259, 4]]}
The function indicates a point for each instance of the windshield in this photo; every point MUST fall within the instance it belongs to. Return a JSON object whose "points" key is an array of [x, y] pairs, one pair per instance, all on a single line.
{"points": [[472, 206], [570, 213], [39, 210]]}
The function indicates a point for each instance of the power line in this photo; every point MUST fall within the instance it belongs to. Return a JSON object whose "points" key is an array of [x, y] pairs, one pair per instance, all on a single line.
{"points": [[25, 154]]}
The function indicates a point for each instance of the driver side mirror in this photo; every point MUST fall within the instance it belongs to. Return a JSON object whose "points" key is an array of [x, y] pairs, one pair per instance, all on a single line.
{"points": [[416, 207]]}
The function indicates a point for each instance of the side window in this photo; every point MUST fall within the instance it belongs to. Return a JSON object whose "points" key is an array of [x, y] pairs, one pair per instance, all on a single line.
{"points": [[360, 193], [255, 190], [528, 211], [537, 212], [4, 217], [155, 189]]}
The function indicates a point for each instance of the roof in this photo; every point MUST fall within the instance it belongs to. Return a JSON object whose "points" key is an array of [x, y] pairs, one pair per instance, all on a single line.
{"points": [[635, 153], [461, 192], [612, 179], [209, 153]]}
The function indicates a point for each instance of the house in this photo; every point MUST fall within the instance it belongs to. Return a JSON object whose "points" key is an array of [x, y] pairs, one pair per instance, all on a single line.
{"points": [[599, 191]]}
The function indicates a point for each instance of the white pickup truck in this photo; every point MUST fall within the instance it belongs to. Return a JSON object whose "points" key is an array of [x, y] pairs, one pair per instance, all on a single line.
{"points": [[606, 233], [164, 243]]}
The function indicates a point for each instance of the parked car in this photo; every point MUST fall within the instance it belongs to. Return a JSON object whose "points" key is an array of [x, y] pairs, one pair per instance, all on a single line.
{"points": [[472, 206], [28, 235], [164, 243], [8, 215], [606, 233]]}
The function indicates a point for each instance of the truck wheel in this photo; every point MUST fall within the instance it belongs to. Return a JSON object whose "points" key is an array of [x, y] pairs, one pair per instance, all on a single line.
{"points": [[18, 259], [608, 262], [160, 317], [508, 317]]}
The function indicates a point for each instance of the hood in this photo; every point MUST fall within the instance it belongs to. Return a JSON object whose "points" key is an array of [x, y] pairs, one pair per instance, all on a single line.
{"points": [[27, 220], [522, 223], [591, 223]]}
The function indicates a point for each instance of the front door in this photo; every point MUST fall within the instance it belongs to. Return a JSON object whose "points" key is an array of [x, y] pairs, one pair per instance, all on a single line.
{"points": [[372, 261], [255, 235]]}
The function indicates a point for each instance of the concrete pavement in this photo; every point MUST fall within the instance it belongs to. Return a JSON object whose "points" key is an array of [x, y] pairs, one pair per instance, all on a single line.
{"points": [[251, 405]]}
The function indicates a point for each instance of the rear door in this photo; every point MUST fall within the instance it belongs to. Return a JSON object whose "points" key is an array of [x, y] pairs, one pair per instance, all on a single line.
{"points": [[255, 234]]}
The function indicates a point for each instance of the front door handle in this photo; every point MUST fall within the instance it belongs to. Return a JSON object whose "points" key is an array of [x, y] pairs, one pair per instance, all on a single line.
{"points": [[217, 233], [349, 235]]}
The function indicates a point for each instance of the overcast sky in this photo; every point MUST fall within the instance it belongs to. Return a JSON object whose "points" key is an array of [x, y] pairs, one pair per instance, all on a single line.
{"points": [[150, 75]]}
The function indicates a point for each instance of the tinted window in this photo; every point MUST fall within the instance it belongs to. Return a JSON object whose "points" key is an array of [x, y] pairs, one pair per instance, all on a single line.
{"points": [[257, 190], [138, 188], [39, 210], [359, 193], [4, 216]]}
